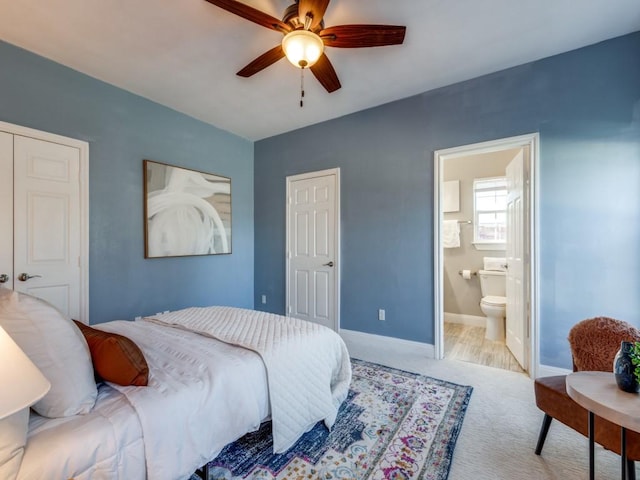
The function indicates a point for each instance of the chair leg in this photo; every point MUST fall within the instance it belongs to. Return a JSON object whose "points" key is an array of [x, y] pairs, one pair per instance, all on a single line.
{"points": [[631, 470], [546, 422]]}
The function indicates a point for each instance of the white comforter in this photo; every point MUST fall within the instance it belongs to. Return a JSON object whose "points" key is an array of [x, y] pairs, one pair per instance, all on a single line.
{"points": [[104, 444], [201, 396], [307, 364]]}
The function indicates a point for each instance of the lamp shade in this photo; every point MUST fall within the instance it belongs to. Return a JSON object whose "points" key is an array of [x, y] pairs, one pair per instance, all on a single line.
{"points": [[21, 382], [302, 48]]}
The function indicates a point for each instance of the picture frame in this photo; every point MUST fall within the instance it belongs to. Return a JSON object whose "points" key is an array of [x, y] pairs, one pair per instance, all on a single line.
{"points": [[186, 212]]}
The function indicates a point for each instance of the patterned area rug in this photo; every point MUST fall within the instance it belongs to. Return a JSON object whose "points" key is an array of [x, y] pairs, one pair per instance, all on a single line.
{"points": [[394, 425]]}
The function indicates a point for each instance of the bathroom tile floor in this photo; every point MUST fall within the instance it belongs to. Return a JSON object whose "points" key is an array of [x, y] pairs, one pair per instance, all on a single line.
{"points": [[467, 343]]}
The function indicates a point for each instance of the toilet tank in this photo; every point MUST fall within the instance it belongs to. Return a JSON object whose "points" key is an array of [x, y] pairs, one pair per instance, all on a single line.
{"points": [[493, 283]]}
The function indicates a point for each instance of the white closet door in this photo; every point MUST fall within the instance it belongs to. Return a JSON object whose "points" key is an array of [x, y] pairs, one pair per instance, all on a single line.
{"points": [[6, 210], [47, 222], [312, 249]]}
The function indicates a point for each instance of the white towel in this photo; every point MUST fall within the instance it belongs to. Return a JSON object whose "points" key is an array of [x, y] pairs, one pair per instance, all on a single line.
{"points": [[450, 234], [495, 263]]}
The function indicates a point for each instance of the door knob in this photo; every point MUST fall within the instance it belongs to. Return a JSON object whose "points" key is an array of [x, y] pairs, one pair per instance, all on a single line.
{"points": [[330, 264], [4, 278], [23, 277]]}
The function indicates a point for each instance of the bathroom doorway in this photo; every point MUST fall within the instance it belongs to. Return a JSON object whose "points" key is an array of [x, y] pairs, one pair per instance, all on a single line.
{"points": [[485, 253]]}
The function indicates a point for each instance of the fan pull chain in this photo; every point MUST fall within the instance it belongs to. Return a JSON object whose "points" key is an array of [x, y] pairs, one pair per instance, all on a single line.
{"points": [[301, 87]]}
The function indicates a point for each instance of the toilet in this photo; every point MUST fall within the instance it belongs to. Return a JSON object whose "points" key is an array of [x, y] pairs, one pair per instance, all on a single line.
{"points": [[494, 302]]}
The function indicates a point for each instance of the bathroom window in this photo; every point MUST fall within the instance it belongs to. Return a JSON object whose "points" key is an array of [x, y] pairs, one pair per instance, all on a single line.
{"points": [[490, 213]]}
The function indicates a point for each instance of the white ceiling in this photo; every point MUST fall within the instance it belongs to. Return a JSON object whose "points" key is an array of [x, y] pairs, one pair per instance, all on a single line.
{"points": [[184, 53]]}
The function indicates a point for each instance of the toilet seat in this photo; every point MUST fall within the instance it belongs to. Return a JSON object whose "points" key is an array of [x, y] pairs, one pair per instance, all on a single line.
{"points": [[494, 300]]}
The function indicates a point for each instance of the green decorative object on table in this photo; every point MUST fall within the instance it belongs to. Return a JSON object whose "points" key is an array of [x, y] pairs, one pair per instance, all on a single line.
{"points": [[635, 359]]}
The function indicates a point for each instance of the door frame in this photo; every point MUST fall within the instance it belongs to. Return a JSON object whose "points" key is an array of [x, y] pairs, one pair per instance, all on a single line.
{"points": [[336, 228], [440, 156], [83, 148]]}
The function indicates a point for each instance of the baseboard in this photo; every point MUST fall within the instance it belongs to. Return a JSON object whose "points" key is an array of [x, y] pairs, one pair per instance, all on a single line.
{"points": [[548, 371], [471, 320], [355, 340]]}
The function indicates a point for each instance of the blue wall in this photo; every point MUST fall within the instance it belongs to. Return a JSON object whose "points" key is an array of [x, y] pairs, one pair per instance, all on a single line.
{"points": [[123, 129], [586, 106]]}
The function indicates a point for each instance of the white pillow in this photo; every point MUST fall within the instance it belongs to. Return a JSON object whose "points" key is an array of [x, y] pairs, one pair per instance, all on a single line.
{"points": [[13, 438], [56, 346]]}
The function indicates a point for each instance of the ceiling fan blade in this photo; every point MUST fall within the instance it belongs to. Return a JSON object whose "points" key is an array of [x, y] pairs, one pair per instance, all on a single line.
{"points": [[262, 62], [358, 36], [326, 75], [251, 14], [314, 8]]}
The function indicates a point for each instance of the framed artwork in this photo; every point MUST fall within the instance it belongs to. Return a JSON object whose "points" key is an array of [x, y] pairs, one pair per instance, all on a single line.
{"points": [[186, 212]]}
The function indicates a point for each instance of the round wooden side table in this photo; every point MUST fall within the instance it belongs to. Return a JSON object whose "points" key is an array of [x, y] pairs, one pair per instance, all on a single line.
{"points": [[599, 394]]}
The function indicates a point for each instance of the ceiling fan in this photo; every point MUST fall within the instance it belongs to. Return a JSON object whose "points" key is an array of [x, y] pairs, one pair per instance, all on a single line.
{"points": [[305, 37]]}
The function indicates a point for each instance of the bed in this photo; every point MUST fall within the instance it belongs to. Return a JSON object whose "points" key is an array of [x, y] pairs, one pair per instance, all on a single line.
{"points": [[202, 394]]}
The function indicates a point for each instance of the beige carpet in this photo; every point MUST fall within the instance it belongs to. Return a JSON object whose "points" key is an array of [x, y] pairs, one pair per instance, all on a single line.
{"points": [[501, 426]]}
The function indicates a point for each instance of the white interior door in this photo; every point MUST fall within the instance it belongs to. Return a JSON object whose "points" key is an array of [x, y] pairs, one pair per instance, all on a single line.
{"points": [[312, 240], [46, 252], [515, 251], [6, 210]]}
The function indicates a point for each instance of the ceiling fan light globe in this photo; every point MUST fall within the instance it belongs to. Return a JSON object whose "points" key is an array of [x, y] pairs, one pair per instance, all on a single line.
{"points": [[302, 48]]}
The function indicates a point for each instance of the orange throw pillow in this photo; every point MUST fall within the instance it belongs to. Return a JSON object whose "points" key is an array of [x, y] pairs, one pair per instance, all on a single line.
{"points": [[115, 358]]}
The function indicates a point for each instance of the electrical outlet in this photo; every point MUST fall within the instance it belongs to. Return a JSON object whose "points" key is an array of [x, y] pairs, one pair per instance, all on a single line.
{"points": [[381, 314], [264, 299]]}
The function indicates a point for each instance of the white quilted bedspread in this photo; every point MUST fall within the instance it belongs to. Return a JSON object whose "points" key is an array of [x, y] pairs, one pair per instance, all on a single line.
{"points": [[308, 367]]}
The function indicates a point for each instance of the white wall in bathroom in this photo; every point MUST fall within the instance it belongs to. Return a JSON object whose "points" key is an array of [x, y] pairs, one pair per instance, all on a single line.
{"points": [[463, 296]]}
